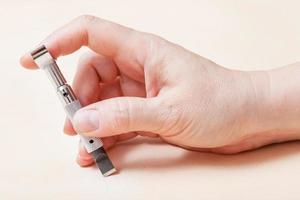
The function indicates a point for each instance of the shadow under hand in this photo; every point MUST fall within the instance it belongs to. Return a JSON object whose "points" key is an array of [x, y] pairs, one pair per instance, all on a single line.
{"points": [[154, 154]]}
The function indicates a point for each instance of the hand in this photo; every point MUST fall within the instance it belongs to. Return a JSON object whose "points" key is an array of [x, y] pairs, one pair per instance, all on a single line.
{"points": [[135, 83]]}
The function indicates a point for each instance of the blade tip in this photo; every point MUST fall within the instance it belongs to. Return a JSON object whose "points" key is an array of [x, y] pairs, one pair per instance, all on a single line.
{"points": [[110, 172]]}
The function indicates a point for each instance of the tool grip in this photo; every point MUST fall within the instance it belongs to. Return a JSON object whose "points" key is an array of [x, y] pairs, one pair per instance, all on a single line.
{"points": [[91, 143]]}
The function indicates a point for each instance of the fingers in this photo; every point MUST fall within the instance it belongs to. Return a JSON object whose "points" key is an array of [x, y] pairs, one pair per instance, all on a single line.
{"points": [[109, 39], [119, 115], [92, 69], [105, 68], [84, 159], [68, 128]]}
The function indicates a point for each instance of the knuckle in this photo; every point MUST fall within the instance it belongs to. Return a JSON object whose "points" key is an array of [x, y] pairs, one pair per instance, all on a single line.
{"points": [[121, 117], [155, 49], [151, 41], [87, 18], [153, 38], [156, 41]]}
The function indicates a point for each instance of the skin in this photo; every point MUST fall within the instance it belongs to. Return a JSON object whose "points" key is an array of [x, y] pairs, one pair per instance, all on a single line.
{"points": [[135, 83]]}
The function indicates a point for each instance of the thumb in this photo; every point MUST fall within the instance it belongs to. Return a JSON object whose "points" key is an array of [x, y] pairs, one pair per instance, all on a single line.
{"points": [[118, 115]]}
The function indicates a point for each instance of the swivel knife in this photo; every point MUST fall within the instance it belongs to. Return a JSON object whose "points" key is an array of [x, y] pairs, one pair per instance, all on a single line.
{"points": [[71, 104]]}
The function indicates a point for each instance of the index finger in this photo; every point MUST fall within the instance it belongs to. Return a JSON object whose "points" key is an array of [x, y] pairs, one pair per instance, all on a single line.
{"points": [[109, 39]]}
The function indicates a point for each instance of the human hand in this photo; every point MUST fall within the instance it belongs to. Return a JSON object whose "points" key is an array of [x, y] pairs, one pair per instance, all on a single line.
{"points": [[134, 83]]}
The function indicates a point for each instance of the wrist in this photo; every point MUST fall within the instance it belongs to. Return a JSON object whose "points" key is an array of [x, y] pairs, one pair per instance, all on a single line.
{"points": [[285, 96], [276, 101]]}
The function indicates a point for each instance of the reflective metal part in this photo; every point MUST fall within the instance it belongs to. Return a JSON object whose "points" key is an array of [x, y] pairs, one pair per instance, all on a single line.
{"points": [[39, 52], [103, 162], [45, 61], [66, 94]]}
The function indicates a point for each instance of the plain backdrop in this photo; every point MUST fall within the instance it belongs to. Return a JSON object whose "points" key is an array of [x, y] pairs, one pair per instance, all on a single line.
{"points": [[38, 160]]}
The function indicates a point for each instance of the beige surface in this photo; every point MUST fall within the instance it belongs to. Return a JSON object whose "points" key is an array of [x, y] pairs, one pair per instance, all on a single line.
{"points": [[37, 160]]}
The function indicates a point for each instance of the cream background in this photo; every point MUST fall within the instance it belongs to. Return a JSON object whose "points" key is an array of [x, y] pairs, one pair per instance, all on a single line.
{"points": [[37, 160]]}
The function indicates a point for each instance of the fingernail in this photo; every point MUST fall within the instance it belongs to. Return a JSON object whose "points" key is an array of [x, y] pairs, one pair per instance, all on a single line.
{"points": [[86, 121]]}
